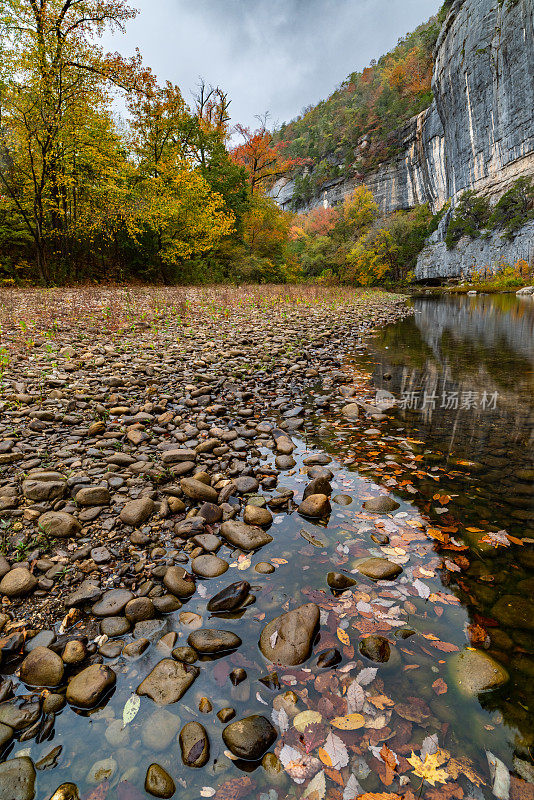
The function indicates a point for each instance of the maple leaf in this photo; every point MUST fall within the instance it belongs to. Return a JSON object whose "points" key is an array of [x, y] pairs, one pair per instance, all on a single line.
{"points": [[429, 769]]}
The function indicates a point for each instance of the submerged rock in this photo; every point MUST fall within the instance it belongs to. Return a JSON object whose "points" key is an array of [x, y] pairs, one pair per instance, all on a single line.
{"points": [[474, 671], [513, 610], [249, 738], [381, 505], [168, 681], [288, 639], [379, 569], [375, 648]]}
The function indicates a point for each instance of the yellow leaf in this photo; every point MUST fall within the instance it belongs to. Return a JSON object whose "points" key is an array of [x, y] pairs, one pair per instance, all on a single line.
{"points": [[350, 722], [343, 636], [429, 769], [306, 718]]}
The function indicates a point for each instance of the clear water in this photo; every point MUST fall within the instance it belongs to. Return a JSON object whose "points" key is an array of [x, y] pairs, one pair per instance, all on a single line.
{"points": [[464, 469]]}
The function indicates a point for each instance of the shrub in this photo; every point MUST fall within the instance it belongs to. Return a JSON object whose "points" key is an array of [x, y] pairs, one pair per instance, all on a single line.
{"points": [[470, 217], [514, 209]]}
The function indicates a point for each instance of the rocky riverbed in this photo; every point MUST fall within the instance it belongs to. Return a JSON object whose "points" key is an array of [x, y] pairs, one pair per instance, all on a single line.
{"points": [[161, 505]]}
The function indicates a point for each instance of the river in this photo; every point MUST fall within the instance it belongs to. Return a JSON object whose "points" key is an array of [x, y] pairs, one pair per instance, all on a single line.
{"points": [[457, 455]]}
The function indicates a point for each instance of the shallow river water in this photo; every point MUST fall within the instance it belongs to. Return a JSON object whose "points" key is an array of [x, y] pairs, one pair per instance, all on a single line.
{"points": [[458, 456]]}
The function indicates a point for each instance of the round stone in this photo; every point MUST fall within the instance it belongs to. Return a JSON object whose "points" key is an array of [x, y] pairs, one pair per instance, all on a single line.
{"points": [[208, 640], [112, 603], [158, 782], [209, 566], [474, 672], [179, 582], [254, 515], [138, 609], [315, 506], [17, 779], [194, 744], [339, 582], [135, 512], [375, 648], [59, 524], [18, 582], [249, 738], [381, 505], [379, 569], [264, 568], [42, 667], [230, 598], [90, 685]]}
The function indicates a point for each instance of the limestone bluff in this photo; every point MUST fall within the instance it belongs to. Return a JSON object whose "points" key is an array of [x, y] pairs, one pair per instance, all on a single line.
{"points": [[478, 133]]}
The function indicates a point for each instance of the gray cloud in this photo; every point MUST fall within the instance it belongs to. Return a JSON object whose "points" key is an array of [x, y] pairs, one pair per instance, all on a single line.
{"points": [[269, 55]]}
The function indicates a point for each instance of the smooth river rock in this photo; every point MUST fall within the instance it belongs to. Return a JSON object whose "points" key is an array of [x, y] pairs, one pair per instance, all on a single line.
{"points": [[512, 610], [158, 782], [208, 640], [42, 667], [474, 671], [194, 744], [246, 537], [17, 779], [288, 639], [179, 582], [379, 569], [249, 738], [168, 681], [18, 582], [59, 524], [381, 505], [90, 685], [230, 598]]}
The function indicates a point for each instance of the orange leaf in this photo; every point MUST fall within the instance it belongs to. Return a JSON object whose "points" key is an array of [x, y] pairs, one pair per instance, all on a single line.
{"points": [[439, 686], [343, 636]]}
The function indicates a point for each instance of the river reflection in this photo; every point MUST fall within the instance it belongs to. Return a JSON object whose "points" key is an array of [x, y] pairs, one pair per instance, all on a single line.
{"points": [[462, 371]]}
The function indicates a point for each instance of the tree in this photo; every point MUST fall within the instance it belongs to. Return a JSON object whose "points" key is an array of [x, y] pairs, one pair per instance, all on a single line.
{"points": [[55, 76], [175, 212], [263, 160]]}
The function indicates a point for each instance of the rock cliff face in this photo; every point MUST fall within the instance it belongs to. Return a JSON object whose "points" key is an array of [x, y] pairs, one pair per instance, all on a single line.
{"points": [[479, 131]]}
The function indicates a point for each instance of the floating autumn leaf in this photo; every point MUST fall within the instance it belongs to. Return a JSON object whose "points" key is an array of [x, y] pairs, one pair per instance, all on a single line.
{"points": [[306, 718], [379, 796], [439, 686], [334, 753], [316, 789], [350, 722], [430, 769], [343, 636]]}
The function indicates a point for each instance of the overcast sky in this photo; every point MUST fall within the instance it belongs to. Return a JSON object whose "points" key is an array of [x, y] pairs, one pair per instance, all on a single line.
{"points": [[269, 55]]}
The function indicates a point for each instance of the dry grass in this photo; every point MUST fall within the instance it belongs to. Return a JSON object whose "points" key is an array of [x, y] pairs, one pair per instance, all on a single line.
{"points": [[36, 311]]}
